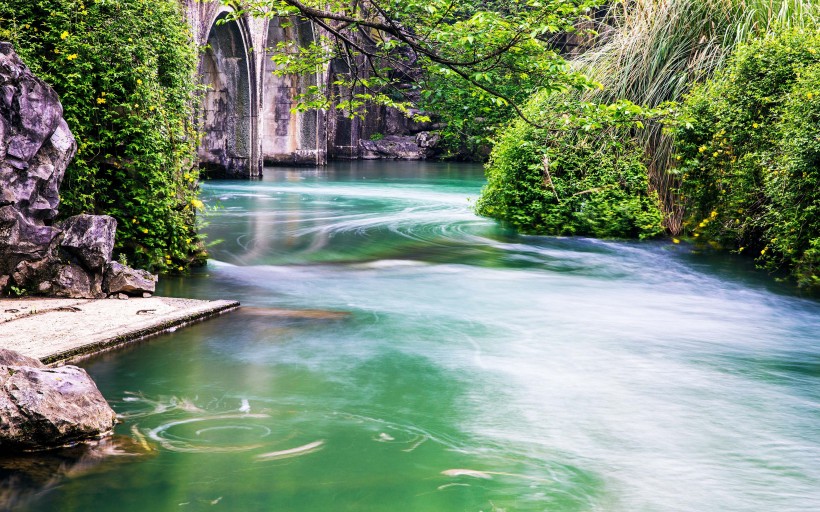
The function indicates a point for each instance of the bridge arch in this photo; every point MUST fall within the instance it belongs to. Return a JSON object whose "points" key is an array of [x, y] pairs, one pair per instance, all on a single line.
{"points": [[229, 109]]}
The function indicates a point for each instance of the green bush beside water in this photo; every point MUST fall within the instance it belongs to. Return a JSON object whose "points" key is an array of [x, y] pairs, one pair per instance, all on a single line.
{"points": [[124, 70], [748, 145], [746, 157], [555, 180]]}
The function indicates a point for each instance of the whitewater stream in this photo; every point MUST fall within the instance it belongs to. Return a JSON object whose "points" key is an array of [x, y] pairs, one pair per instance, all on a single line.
{"points": [[395, 352]]}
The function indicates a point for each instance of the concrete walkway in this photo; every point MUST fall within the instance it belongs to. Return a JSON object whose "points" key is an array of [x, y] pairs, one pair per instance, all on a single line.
{"points": [[58, 330]]}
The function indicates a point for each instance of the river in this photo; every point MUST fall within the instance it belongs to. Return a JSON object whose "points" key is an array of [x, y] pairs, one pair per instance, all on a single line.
{"points": [[395, 352]]}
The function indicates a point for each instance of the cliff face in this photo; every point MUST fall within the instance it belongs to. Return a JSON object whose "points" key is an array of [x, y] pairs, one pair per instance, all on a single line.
{"points": [[37, 254]]}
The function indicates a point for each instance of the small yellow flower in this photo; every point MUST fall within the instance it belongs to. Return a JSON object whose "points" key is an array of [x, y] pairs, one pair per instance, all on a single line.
{"points": [[697, 235], [755, 126], [139, 82], [713, 214], [715, 154], [71, 57], [196, 203], [809, 95], [100, 101], [702, 149], [64, 35], [675, 241], [180, 269], [144, 230], [134, 221]]}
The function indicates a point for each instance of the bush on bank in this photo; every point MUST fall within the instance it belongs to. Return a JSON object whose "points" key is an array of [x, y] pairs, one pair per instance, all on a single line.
{"points": [[581, 173], [125, 73], [748, 147]]}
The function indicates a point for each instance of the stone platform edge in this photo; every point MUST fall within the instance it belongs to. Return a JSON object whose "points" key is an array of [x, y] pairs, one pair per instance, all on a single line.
{"points": [[122, 339]]}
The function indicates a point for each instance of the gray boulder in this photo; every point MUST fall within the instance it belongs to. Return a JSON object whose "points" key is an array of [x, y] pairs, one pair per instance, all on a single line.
{"points": [[12, 358], [123, 279], [392, 147], [48, 407], [90, 238], [72, 281], [35, 142], [400, 147]]}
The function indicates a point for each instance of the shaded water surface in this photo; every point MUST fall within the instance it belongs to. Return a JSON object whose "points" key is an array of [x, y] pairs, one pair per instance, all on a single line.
{"points": [[397, 353]]}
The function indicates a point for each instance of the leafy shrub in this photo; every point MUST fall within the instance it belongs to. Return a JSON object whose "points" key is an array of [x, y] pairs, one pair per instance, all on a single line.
{"points": [[124, 70], [581, 174], [748, 151]]}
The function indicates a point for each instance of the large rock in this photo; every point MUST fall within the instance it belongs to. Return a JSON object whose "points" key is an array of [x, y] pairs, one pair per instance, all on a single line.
{"points": [[48, 407], [122, 279], [392, 147], [90, 238], [12, 358], [35, 142], [400, 147]]}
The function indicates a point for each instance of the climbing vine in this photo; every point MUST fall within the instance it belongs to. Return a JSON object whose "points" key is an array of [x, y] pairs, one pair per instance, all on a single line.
{"points": [[125, 73]]}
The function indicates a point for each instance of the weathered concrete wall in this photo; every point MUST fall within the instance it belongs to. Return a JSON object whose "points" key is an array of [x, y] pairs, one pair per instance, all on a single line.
{"points": [[289, 137]]}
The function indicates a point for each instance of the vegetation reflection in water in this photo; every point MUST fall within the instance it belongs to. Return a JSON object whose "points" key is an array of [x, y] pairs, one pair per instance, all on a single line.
{"points": [[395, 352]]}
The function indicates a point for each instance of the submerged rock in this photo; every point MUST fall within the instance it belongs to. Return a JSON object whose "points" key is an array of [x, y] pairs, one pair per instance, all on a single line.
{"points": [[44, 407], [400, 147]]}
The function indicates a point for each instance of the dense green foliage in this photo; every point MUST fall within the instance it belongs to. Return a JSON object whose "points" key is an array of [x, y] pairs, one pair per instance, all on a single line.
{"points": [[749, 154], [492, 54], [582, 174], [124, 70]]}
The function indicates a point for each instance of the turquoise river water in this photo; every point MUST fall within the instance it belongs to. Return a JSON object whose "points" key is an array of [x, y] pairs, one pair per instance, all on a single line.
{"points": [[395, 352]]}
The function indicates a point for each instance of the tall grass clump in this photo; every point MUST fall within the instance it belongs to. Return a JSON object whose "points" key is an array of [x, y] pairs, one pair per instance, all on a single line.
{"points": [[651, 52]]}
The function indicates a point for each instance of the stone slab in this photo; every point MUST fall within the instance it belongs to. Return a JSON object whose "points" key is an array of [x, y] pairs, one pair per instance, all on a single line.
{"points": [[61, 330]]}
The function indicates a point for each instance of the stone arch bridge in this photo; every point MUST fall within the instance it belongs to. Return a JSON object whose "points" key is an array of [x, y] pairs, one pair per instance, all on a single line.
{"points": [[246, 117]]}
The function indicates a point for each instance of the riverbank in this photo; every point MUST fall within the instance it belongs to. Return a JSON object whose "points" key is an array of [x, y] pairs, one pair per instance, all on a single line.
{"points": [[61, 330]]}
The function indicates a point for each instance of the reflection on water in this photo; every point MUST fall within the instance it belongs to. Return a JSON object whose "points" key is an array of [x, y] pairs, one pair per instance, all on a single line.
{"points": [[396, 352]]}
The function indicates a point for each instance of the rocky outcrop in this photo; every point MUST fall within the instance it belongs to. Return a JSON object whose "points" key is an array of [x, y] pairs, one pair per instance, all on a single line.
{"points": [[48, 407], [37, 255], [400, 147]]}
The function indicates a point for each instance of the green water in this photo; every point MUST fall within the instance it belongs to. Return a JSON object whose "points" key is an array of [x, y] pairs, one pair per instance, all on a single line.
{"points": [[464, 368]]}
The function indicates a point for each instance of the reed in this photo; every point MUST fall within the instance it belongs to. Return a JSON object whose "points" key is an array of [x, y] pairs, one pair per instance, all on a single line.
{"points": [[653, 51]]}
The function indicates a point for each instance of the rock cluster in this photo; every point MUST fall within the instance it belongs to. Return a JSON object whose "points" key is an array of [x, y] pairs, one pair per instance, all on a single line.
{"points": [[400, 147], [44, 407], [71, 258]]}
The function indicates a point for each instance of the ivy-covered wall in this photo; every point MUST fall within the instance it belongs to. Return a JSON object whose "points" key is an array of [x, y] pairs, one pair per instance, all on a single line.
{"points": [[125, 73]]}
